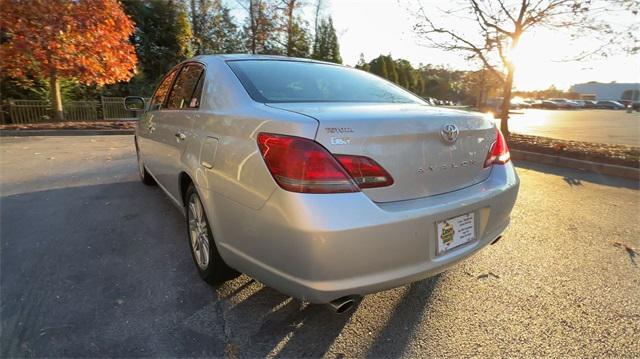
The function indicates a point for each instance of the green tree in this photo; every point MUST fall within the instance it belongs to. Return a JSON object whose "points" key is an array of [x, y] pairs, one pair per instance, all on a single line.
{"points": [[214, 29], [325, 45], [162, 39], [392, 73], [379, 66], [260, 31], [295, 30], [406, 74], [362, 63]]}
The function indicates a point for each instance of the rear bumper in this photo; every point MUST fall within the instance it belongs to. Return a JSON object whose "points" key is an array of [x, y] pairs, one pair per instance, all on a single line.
{"points": [[322, 247]]}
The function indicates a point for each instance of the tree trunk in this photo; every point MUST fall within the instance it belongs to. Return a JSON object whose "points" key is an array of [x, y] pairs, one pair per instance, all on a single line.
{"points": [[290, 28], [56, 99], [480, 95], [195, 26], [506, 101], [254, 26]]}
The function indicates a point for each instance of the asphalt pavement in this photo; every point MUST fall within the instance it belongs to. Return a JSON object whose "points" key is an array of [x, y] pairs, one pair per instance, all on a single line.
{"points": [[599, 126], [95, 264]]}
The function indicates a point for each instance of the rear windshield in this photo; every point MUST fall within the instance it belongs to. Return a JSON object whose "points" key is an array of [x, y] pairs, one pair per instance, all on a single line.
{"points": [[295, 81]]}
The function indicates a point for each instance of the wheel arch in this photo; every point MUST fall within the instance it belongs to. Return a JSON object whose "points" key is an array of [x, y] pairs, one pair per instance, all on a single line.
{"points": [[184, 180]]}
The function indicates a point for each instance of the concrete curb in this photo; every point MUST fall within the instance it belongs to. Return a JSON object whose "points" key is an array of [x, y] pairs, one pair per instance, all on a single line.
{"points": [[26, 133], [601, 168]]}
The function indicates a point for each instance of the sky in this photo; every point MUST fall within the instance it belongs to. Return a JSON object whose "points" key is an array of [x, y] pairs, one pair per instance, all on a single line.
{"points": [[375, 27]]}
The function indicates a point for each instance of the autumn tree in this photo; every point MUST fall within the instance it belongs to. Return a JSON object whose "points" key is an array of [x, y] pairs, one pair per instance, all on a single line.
{"points": [[85, 40], [496, 27]]}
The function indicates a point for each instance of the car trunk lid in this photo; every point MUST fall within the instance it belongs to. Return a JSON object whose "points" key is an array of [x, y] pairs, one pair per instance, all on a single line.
{"points": [[408, 141]]}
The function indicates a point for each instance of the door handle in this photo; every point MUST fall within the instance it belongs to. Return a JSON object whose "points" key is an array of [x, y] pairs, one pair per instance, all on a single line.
{"points": [[180, 136]]}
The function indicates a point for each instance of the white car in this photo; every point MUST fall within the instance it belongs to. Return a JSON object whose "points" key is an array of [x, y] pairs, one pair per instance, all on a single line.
{"points": [[319, 180]]}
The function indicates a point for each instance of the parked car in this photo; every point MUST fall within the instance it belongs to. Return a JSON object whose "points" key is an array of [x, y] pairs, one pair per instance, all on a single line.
{"points": [[625, 103], [610, 105], [565, 104], [586, 103], [430, 101], [549, 105], [495, 103], [322, 181], [535, 103], [519, 103]]}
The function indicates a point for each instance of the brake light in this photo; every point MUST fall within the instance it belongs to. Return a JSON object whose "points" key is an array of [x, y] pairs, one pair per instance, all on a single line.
{"points": [[499, 152], [366, 172], [301, 165]]}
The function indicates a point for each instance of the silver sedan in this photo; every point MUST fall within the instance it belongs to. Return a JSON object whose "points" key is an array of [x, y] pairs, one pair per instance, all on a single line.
{"points": [[319, 180]]}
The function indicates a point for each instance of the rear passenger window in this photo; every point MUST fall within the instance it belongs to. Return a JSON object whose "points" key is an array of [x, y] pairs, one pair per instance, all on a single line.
{"points": [[161, 92], [184, 93], [195, 100]]}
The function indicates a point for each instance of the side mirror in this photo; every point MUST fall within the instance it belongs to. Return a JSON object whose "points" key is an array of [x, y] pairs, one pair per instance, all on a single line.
{"points": [[134, 103]]}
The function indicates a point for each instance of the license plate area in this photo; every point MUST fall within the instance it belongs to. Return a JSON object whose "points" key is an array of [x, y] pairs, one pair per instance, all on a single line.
{"points": [[455, 232]]}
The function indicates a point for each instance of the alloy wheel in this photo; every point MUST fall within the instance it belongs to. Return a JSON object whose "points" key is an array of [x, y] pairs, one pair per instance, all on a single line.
{"points": [[198, 232]]}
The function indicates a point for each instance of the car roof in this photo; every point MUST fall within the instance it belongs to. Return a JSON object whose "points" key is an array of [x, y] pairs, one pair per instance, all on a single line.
{"points": [[240, 57]]}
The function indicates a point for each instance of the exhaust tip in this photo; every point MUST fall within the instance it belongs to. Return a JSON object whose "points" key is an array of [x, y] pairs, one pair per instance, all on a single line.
{"points": [[342, 305]]}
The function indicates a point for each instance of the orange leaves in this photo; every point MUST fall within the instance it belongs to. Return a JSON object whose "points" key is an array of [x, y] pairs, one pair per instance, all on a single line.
{"points": [[83, 39]]}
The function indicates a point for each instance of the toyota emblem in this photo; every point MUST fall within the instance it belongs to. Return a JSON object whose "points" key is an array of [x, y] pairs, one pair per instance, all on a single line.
{"points": [[450, 133]]}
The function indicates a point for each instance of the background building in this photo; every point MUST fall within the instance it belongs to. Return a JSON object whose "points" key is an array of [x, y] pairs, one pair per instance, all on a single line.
{"points": [[607, 91]]}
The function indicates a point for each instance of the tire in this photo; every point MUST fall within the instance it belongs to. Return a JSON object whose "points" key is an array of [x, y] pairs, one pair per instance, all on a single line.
{"points": [[145, 177], [211, 267]]}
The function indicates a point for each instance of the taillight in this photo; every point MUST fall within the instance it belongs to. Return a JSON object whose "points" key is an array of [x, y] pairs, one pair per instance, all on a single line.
{"points": [[301, 165], [499, 152], [366, 172]]}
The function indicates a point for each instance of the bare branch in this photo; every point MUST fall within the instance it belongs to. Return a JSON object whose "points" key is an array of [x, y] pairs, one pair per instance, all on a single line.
{"points": [[463, 45], [481, 15], [502, 6]]}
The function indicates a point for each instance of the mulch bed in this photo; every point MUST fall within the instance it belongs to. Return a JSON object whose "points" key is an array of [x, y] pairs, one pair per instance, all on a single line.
{"points": [[621, 155], [73, 125]]}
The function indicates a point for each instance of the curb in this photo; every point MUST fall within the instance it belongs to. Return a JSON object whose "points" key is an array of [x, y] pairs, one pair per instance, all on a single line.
{"points": [[26, 133], [601, 168]]}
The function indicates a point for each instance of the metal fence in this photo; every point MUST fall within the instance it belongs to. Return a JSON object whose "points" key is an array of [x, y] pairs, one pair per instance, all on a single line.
{"points": [[33, 111], [81, 110], [113, 108], [27, 111]]}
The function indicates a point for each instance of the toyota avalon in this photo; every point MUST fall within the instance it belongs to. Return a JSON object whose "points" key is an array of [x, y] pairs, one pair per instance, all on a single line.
{"points": [[319, 180]]}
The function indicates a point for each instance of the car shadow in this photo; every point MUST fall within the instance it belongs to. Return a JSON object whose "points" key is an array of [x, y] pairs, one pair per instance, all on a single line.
{"points": [[105, 270], [100, 270], [395, 337], [262, 322]]}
